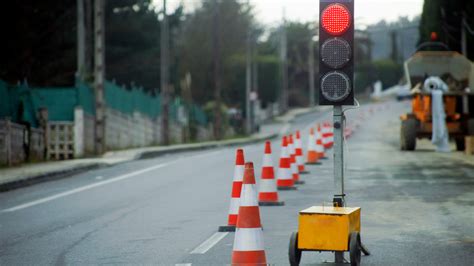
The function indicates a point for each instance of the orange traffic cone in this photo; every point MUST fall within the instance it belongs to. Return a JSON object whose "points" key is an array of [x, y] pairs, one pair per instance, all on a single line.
{"points": [[299, 153], [248, 242], [319, 144], [312, 156], [330, 135], [284, 177], [268, 194], [293, 165], [235, 196], [326, 136]]}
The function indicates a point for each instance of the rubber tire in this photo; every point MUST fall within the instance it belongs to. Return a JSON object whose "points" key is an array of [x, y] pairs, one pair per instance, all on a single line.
{"points": [[294, 254], [355, 249], [460, 144], [470, 127], [408, 134]]}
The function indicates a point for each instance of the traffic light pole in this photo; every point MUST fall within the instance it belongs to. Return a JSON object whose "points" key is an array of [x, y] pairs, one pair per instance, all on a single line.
{"points": [[338, 200]]}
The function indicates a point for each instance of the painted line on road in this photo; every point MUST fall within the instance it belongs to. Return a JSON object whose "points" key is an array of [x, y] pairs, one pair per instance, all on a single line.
{"points": [[84, 188], [209, 243], [183, 264], [99, 184]]}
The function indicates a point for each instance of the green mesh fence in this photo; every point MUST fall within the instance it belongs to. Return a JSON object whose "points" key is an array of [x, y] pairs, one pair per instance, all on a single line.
{"points": [[21, 102]]}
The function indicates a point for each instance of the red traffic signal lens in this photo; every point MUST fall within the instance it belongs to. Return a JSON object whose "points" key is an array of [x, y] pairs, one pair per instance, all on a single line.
{"points": [[335, 19]]}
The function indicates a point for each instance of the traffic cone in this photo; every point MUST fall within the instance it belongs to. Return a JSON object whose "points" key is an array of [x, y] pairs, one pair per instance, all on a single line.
{"points": [[235, 195], [312, 156], [326, 136], [268, 194], [284, 176], [319, 144], [299, 154], [293, 165], [248, 242], [330, 135]]}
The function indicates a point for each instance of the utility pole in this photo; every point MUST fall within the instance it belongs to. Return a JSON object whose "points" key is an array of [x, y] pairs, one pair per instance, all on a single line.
{"points": [[254, 92], [284, 66], [81, 40], [248, 81], [393, 37], [99, 75], [164, 54], [216, 54], [464, 35], [311, 72]]}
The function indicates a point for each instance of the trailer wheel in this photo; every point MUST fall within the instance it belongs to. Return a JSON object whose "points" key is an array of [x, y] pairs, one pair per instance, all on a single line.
{"points": [[408, 135], [294, 254], [460, 145], [355, 249], [470, 127]]}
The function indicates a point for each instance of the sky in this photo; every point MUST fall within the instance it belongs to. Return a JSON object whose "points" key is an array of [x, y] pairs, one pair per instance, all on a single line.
{"points": [[269, 12]]}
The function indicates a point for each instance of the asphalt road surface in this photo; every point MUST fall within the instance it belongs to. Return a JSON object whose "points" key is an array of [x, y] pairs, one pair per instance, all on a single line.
{"points": [[417, 207]]}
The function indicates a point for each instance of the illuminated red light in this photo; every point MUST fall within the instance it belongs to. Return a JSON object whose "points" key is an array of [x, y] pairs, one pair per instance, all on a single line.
{"points": [[335, 19]]}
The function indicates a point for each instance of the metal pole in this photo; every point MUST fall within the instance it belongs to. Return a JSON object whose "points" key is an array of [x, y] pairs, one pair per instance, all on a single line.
{"points": [[99, 76], [164, 52], [463, 35], [338, 201], [284, 66], [248, 82], [311, 73], [81, 40], [217, 71]]}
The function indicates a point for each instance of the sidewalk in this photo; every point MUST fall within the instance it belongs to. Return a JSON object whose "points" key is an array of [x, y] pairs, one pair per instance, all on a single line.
{"points": [[28, 174]]}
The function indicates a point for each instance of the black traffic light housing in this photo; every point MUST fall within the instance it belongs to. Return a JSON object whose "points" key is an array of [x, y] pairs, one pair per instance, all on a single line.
{"points": [[336, 58]]}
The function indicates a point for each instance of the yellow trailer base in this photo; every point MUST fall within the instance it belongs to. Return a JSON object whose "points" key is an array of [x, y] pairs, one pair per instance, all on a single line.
{"points": [[327, 228]]}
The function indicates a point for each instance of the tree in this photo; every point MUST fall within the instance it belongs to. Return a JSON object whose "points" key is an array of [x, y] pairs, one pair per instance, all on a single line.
{"points": [[196, 44], [445, 17]]}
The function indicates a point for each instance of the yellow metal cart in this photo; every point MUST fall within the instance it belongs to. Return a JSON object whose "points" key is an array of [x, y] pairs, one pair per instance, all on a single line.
{"points": [[327, 228]]}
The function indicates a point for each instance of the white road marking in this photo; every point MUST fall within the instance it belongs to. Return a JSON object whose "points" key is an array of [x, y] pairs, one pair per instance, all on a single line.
{"points": [[98, 184], [183, 264], [84, 188], [209, 243]]}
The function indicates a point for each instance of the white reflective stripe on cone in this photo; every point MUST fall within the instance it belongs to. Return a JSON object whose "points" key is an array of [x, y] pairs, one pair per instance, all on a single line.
{"points": [[267, 185], [319, 148], [294, 168], [284, 174], [234, 206], [299, 159], [267, 160], [248, 239], [239, 173], [248, 195]]}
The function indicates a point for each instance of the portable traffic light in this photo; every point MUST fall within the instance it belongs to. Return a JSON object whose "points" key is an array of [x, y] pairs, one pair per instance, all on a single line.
{"points": [[336, 48]]}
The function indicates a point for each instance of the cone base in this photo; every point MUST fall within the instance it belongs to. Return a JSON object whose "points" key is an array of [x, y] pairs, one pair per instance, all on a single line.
{"points": [[300, 182], [271, 203], [316, 163], [226, 228], [323, 158], [287, 188], [304, 173]]}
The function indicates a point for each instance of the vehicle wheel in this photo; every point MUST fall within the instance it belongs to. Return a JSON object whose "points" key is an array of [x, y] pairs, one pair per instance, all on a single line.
{"points": [[294, 254], [354, 249], [460, 144], [470, 127], [408, 135]]}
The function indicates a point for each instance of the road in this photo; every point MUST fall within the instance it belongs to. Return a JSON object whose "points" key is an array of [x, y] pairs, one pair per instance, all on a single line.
{"points": [[417, 207]]}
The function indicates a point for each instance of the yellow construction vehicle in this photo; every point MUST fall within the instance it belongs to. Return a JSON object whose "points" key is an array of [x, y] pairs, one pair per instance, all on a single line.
{"points": [[458, 74]]}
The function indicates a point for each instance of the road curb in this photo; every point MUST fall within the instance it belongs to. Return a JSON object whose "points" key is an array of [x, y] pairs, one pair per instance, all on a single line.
{"points": [[60, 174], [54, 175], [236, 142]]}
